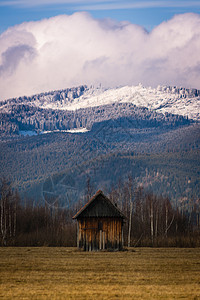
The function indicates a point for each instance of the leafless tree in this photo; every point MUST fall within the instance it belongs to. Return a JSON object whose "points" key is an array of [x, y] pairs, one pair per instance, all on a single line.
{"points": [[131, 191], [8, 211]]}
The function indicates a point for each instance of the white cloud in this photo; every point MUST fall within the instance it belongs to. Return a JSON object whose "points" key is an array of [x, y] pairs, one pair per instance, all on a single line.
{"points": [[65, 51]]}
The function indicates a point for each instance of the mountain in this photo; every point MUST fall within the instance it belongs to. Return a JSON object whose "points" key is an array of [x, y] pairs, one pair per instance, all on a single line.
{"points": [[52, 142], [82, 106]]}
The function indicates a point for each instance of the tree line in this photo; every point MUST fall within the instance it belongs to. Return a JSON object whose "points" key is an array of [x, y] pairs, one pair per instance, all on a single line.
{"points": [[151, 220], [30, 224]]}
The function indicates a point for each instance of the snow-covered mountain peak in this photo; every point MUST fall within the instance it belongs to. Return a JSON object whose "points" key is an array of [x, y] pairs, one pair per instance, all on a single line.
{"points": [[163, 99]]}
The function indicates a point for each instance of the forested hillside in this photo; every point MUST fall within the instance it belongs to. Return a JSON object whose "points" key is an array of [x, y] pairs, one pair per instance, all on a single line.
{"points": [[52, 143], [27, 118], [164, 161]]}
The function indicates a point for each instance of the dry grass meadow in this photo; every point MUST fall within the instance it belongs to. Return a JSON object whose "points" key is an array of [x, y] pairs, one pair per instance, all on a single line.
{"points": [[65, 273]]}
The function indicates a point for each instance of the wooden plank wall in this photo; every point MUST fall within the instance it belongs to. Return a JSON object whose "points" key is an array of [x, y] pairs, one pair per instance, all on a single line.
{"points": [[100, 233]]}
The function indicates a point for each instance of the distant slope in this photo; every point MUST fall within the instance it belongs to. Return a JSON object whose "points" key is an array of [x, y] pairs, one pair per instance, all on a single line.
{"points": [[31, 160], [175, 100], [152, 134], [175, 175], [21, 117]]}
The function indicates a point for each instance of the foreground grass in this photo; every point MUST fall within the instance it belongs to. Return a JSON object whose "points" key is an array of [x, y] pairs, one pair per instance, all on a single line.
{"points": [[65, 273]]}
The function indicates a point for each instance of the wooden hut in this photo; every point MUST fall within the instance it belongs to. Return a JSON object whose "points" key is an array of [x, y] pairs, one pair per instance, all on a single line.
{"points": [[99, 225]]}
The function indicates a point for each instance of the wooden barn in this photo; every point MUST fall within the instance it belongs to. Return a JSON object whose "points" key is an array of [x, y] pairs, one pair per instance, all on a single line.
{"points": [[99, 225]]}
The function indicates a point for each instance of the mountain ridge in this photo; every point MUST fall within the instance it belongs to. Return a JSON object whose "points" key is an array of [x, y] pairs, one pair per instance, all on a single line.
{"points": [[83, 106], [84, 97], [127, 130]]}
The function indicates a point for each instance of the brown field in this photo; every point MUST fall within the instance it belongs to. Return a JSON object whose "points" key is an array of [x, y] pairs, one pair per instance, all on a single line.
{"points": [[65, 273]]}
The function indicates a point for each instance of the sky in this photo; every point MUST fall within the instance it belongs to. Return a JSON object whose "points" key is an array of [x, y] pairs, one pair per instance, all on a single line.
{"points": [[145, 13], [89, 42]]}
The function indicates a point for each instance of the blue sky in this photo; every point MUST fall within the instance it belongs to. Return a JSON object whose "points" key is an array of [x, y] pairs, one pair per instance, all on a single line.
{"points": [[146, 13]]}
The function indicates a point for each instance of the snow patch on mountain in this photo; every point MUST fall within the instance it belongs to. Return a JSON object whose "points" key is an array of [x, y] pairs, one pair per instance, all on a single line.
{"points": [[74, 130], [78, 130]]}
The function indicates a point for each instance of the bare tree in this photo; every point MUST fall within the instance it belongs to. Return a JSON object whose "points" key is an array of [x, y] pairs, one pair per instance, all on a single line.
{"points": [[150, 208], [8, 211], [131, 199], [168, 222]]}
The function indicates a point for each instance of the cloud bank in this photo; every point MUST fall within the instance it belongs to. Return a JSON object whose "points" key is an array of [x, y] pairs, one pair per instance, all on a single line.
{"points": [[66, 51]]}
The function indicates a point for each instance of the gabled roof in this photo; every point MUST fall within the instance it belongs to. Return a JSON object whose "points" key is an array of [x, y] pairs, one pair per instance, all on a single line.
{"points": [[99, 206]]}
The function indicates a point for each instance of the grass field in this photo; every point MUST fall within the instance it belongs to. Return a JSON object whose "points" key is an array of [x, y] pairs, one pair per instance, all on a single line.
{"points": [[65, 273]]}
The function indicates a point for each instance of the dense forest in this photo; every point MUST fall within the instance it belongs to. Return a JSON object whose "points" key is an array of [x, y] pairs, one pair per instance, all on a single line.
{"points": [[23, 117], [166, 162], [151, 220]]}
